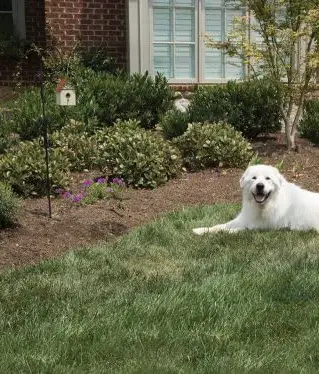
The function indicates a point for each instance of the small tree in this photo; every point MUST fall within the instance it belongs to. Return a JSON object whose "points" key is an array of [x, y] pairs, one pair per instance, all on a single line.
{"points": [[278, 39]]}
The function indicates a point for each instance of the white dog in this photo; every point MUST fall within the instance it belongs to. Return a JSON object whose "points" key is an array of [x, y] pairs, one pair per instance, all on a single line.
{"points": [[270, 202]]}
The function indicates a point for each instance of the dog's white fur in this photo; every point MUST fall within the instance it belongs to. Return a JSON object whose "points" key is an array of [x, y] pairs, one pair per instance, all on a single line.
{"points": [[280, 204]]}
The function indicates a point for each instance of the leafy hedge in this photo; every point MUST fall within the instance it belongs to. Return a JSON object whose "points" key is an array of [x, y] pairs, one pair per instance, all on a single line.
{"points": [[9, 206], [174, 123], [107, 98], [309, 125], [77, 145], [251, 107], [26, 111], [141, 157], [210, 145], [23, 167]]}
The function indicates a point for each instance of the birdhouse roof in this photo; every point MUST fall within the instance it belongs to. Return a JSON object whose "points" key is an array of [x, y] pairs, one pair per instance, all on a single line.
{"points": [[63, 84]]}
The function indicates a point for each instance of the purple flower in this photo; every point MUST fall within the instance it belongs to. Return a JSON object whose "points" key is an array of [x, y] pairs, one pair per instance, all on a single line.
{"points": [[101, 180], [67, 194], [118, 181], [60, 191], [77, 198], [87, 182]]}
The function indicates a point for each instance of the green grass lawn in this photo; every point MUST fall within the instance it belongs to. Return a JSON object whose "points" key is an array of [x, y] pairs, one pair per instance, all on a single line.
{"points": [[161, 300]]}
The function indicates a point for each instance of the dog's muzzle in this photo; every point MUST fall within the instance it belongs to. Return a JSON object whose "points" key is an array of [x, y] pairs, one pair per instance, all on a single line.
{"points": [[261, 197]]}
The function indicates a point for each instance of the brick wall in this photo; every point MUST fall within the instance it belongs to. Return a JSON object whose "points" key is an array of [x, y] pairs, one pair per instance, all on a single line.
{"points": [[94, 23], [35, 32]]}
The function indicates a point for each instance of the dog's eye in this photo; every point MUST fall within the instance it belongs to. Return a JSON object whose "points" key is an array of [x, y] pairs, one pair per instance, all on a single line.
{"points": [[254, 177], [267, 178]]}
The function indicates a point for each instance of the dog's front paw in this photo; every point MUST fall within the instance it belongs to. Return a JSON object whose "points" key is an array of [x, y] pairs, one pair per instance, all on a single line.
{"points": [[200, 230]]}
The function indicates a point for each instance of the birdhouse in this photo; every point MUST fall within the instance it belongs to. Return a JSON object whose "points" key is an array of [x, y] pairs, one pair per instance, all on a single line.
{"points": [[65, 93]]}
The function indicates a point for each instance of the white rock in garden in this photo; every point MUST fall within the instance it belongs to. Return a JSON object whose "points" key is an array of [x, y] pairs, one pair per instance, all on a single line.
{"points": [[182, 104]]}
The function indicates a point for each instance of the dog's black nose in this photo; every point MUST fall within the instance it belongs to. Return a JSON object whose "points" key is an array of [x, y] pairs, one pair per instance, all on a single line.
{"points": [[259, 187]]}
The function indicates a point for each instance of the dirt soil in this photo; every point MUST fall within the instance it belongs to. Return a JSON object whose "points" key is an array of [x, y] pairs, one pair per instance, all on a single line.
{"points": [[37, 237]]}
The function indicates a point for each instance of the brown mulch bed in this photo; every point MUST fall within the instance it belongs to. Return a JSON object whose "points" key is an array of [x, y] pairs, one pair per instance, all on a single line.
{"points": [[38, 237]]}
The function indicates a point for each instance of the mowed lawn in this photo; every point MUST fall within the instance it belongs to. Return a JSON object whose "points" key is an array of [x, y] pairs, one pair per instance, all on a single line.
{"points": [[161, 300]]}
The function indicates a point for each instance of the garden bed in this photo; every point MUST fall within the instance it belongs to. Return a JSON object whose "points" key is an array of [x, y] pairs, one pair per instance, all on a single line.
{"points": [[39, 237]]}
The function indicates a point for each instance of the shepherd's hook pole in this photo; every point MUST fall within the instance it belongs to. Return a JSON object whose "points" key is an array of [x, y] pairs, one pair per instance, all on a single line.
{"points": [[46, 141]]}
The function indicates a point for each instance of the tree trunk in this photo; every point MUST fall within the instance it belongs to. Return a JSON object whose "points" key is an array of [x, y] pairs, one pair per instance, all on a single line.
{"points": [[288, 126], [291, 121]]}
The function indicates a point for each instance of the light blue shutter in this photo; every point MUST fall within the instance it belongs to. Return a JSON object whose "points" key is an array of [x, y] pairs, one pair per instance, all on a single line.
{"points": [[162, 2], [184, 33], [233, 65], [162, 25], [214, 3], [162, 37], [218, 22], [213, 57], [174, 42], [163, 59]]}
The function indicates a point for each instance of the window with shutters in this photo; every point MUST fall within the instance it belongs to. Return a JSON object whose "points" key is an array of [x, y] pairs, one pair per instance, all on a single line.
{"points": [[174, 38], [217, 19], [167, 36]]}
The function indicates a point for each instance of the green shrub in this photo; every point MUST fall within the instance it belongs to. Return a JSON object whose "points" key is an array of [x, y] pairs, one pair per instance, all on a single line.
{"points": [[7, 137], [80, 61], [142, 158], [26, 120], [309, 125], [23, 167], [75, 143], [98, 60], [251, 107], [210, 145], [174, 123], [9, 206], [105, 98]]}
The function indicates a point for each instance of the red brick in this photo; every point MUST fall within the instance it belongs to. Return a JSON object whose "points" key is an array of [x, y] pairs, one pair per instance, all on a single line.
{"points": [[66, 22]]}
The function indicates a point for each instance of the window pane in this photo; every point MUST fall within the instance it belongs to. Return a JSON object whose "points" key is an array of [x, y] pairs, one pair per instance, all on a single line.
{"points": [[162, 25], [213, 23], [163, 2], [213, 64], [5, 5], [213, 3], [163, 59], [234, 68], [184, 2], [6, 24], [184, 25], [230, 14], [184, 61]]}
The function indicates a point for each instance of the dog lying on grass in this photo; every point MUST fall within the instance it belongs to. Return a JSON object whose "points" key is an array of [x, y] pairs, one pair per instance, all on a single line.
{"points": [[270, 202]]}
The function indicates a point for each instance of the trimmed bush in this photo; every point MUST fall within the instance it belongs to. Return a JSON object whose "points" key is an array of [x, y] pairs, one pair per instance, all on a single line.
{"points": [[26, 112], [7, 137], [142, 158], [251, 107], [174, 123], [78, 63], [9, 206], [105, 98], [75, 143], [211, 145], [23, 167], [309, 125]]}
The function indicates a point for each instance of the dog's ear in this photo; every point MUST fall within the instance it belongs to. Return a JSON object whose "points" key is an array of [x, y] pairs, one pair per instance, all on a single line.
{"points": [[280, 178], [242, 179]]}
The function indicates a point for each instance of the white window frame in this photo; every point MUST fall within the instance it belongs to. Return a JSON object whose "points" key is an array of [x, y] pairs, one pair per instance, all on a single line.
{"points": [[140, 41], [196, 44], [18, 17]]}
